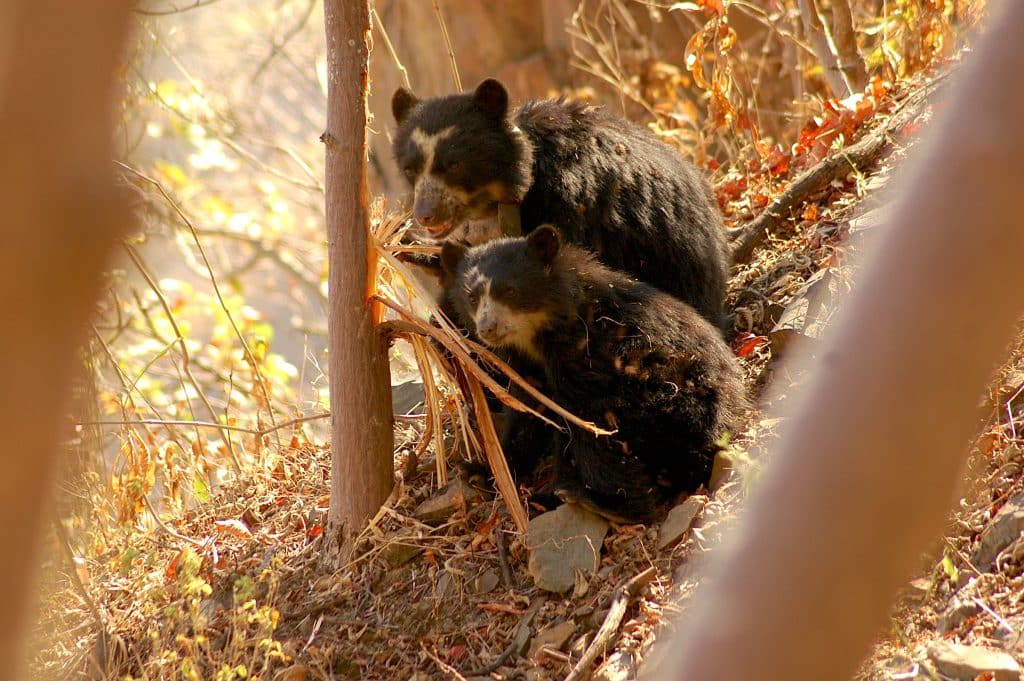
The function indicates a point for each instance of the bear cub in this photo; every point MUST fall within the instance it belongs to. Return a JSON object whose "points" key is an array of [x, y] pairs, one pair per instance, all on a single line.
{"points": [[609, 184], [612, 350]]}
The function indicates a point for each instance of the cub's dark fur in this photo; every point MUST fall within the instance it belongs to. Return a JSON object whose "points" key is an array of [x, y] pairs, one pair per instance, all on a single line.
{"points": [[609, 184], [612, 350]]}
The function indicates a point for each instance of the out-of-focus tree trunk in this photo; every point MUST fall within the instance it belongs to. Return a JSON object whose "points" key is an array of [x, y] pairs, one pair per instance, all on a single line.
{"points": [[853, 495], [61, 217], [361, 453]]}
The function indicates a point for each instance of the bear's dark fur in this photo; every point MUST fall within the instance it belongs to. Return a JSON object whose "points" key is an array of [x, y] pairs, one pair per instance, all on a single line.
{"points": [[611, 350], [609, 184]]}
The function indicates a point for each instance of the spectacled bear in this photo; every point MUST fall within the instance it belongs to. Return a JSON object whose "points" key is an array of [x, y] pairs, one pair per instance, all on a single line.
{"points": [[610, 349], [609, 184]]}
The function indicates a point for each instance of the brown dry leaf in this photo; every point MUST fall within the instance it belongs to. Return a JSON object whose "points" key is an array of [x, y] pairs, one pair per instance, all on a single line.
{"points": [[234, 528], [171, 571]]}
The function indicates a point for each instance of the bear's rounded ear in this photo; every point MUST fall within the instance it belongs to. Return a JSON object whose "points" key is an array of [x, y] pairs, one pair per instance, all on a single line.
{"points": [[491, 98], [544, 243], [401, 102], [452, 254]]}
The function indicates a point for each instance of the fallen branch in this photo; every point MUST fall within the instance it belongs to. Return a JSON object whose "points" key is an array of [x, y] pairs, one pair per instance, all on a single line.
{"points": [[522, 634], [747, 238], [623, 595]]}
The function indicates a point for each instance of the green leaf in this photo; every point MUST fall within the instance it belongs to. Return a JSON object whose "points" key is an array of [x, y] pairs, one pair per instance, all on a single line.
{"points": [[950, 569], [200, 489]]}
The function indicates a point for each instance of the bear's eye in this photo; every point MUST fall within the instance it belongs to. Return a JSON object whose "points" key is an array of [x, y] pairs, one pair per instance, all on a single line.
{"points": [[473, 297], [410, 172], [505, 291]]}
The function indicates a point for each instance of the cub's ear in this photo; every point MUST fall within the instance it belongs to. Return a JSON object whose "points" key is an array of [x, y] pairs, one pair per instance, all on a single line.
{"points": [[452, 254], [401, 102], [491, 98], [544, 243]]}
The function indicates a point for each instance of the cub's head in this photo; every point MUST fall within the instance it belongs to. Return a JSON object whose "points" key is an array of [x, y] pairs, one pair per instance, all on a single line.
{"points": [[508, 290], [461, 154]]}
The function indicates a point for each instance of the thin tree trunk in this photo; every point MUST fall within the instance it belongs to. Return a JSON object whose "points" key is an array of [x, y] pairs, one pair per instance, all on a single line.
{"points": [[845, 40], [362, 472], [821, 43], [61, 217]]}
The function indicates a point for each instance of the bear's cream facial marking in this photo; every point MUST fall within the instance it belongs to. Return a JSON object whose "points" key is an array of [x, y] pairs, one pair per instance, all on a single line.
{"points": [[500, 325], [432, 196]]}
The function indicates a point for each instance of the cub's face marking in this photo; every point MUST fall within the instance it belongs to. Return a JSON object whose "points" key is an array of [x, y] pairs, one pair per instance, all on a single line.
{"points": [[499, 324]]}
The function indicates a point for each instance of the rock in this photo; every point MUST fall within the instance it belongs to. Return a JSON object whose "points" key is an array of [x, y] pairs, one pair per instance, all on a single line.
{"points": [[871, 219], [454, 496], [620, 666], [485, 582], [917, 589], [1004, 529], [406, 396], [560, 543], [554, 637], [679, 520], [955, 614], [903, 668], [809, 312], [443, 586], [966, 663], [397, 554], [1012, 385]]}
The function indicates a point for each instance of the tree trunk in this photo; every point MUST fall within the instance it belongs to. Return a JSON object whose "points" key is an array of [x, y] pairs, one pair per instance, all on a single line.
{"points": [[845, 39], [61, 217], [362, 471], [865, 466], [821, 42]]}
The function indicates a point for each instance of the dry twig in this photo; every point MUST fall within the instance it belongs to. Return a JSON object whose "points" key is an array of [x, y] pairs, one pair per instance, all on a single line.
{"points": [[610, 626], [522, 632]]}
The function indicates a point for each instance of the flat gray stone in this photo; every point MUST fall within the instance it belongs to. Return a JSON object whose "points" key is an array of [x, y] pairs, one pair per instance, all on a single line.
{"points": [[871, 219], [560, 543], [810, 311], [1011, 386], [955, 614], [397, 554], [1004, 529], [968, 662], [620, 666], [486, 582], [440, 506], [554, 637], [917, 589], [406, 396], [679, 520]]}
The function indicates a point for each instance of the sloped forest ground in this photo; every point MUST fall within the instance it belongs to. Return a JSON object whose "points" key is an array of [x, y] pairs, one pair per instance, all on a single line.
{"points": [[236, 585]]}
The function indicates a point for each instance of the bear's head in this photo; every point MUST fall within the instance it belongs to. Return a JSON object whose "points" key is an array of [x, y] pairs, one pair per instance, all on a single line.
{"points": [[462, 155]]}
